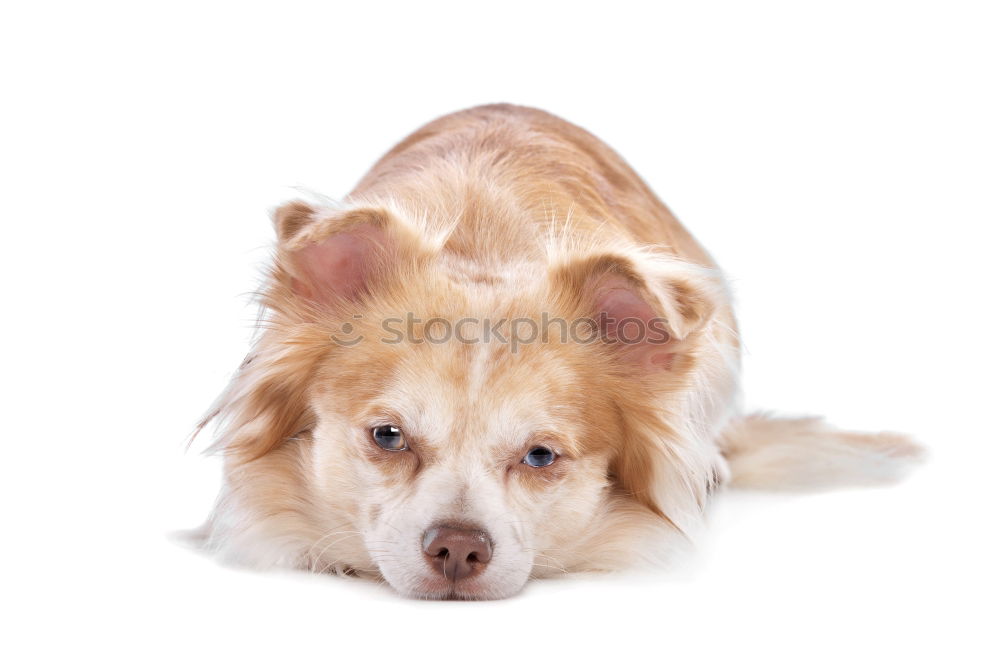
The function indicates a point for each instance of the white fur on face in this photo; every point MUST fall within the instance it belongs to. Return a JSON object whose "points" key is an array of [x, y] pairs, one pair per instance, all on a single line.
{"points": [[454, 492], [469, 473]]}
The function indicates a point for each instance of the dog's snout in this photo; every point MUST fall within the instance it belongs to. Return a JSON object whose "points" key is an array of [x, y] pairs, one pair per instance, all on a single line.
{"points": [[457, 552]]}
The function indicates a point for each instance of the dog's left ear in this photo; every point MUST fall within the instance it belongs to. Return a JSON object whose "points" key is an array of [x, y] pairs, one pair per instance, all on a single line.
{"points": [[648, 307], [651, 310]]}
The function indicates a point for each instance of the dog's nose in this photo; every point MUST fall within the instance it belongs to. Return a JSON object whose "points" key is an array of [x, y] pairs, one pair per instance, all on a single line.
{"points": [[457, 552]]}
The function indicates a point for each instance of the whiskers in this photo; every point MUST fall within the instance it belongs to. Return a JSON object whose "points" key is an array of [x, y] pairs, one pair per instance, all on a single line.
{"points": [[326, 542], [556, 566]]}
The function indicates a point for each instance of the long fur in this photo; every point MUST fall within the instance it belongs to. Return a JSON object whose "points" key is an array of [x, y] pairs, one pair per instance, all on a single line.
{"points": [[509, 212], [771, 453]]}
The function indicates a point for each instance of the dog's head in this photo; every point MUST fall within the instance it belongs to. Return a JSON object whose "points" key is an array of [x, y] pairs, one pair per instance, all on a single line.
{"points": [[456, 427]]}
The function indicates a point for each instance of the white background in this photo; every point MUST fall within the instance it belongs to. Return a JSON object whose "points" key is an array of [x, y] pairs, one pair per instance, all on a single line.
{"points": [[840, 160]]}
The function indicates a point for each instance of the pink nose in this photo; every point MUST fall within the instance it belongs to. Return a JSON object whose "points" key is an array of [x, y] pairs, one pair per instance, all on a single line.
{"points": [[457, 552]]}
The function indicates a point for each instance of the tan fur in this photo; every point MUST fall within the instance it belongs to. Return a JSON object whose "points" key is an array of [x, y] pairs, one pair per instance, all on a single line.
{"points": [[494, 212]]}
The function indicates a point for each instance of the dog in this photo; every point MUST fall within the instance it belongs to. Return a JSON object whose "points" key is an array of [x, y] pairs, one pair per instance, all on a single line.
{"points": [[500, 358]]}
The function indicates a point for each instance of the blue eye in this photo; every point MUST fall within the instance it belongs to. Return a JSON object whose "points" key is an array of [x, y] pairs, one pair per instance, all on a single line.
{"points": [[539, 457], [389, 437]]}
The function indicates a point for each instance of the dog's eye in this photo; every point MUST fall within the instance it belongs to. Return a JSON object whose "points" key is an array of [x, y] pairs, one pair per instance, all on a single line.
{"points": [[389, 437], [539, 457]]}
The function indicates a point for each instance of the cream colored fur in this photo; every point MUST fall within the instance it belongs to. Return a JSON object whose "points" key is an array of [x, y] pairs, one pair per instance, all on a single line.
{"points": [[507, 213]]}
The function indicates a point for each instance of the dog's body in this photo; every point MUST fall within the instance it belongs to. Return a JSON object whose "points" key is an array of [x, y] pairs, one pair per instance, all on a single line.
{"points": [[370, 431]]}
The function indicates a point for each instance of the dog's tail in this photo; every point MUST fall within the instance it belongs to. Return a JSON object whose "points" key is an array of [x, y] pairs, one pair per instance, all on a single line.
{"points": [[767, 452]]}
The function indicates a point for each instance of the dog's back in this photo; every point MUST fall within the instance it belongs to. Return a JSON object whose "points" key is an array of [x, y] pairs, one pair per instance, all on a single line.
{"points": [[532, 168]]}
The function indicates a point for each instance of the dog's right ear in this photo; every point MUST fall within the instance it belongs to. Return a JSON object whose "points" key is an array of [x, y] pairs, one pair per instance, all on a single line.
{"points": [[334, 257]]}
